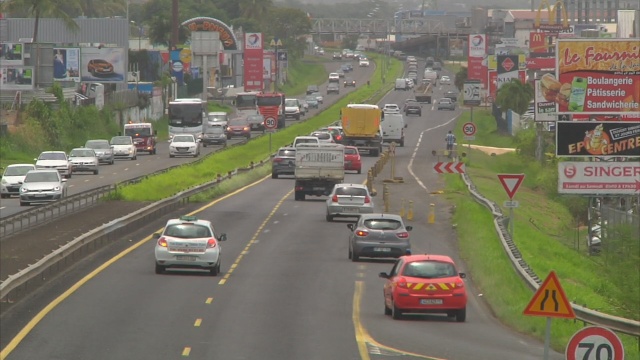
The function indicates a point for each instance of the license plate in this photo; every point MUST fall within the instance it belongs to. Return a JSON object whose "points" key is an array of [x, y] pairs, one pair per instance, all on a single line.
{"points": [[186, 257], [351, 209], [381, 249], [431, 301], [40, 195], [318, 188]]}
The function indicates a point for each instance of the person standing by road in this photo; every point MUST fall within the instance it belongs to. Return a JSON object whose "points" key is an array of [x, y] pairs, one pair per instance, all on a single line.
{"points": [[450, 139]]}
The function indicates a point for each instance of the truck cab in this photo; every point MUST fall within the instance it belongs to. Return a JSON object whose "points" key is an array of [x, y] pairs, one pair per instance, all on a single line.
{"points": [[143, 135]]}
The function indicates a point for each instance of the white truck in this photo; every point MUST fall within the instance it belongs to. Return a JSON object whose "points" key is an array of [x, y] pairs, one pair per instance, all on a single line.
{"points": [[318, 168]]}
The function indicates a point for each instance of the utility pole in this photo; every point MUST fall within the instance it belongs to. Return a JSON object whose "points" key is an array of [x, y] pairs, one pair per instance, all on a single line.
{"points": [[174, 25]]}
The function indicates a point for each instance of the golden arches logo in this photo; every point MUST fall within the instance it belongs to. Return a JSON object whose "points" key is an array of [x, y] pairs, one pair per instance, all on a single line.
{"points": [[552, 14]]}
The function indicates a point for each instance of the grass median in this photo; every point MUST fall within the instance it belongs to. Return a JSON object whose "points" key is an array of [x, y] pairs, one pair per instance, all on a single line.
{"points": [[548, 237], [221, 162]]}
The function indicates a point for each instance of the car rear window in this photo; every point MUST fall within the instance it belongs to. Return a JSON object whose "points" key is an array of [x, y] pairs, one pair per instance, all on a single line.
{"points": [[382, 224], [187, 231], [291, 153], [350, 151], [322, 136], [429, 269], [353, 191]]}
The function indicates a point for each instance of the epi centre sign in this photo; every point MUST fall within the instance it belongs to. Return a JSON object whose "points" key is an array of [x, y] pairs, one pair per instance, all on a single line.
{"points": [[599, 178]]}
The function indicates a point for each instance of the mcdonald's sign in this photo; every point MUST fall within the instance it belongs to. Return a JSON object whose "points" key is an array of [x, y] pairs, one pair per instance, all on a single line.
{"points": [[552, 14], [542, 42]]}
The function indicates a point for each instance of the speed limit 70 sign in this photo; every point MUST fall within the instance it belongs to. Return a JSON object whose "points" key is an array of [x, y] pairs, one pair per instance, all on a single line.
{"points": [[594, 343], [270, 122]]}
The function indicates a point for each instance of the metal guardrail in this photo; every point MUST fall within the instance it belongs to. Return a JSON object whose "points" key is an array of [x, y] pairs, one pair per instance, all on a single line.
{"points": [[18, 285], [27, 220], [626, 326]]}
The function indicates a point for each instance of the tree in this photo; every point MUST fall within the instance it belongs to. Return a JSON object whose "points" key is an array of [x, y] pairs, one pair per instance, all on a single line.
{"points": [[289, 25], [515, 95], [350, 42], [39, 9], [254, 9], [461, 77]]}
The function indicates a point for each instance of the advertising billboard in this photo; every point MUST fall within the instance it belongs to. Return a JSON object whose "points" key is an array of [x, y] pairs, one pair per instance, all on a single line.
{"points": [[599, 178], [11, 54], [545, 107], [477, 53], [105, 65], [66, 64], [492, 61], [507, 69], [598, 76], [16, 78], [595, 138], [493, 81], [253, 62]]}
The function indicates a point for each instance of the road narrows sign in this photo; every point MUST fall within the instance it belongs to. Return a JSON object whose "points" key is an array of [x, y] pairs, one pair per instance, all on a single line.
{"points": [[511, 183], [594, 343], [550, 300]]}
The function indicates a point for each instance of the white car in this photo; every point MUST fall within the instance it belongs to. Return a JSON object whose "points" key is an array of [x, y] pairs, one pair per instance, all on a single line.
{"points": [[292, 108], [324, 137], [123, 147], [84, 159], [363, 62], [445, 80], [57, 160], [391, 108], [42, 186], [188, 242], [320, 98], [184, 144], [334, 77], [12, 179]]}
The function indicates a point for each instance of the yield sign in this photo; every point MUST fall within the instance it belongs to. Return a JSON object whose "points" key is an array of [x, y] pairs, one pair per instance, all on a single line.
{"points": [[550, 300], [511, 183]]}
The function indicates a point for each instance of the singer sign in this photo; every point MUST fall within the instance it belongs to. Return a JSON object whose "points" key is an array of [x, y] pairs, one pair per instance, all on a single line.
{"points": [[599, 178]]}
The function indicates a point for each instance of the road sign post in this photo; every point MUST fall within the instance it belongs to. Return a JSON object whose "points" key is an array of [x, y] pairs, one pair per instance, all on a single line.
{"points": [[270, 123], [511, 183], [472, 98], [550, 301]]}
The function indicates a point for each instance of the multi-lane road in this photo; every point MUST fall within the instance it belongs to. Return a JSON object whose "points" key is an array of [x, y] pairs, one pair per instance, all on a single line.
{"points": [[287, 289], [145, 164]]}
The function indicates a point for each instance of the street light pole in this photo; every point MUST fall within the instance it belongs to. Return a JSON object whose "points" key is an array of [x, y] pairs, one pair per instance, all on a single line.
{"points": [[275, 87]]}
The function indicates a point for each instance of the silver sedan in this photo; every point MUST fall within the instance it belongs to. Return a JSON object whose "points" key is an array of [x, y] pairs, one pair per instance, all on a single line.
{"points": [[379, 236], [349, 200], [84, 159]]}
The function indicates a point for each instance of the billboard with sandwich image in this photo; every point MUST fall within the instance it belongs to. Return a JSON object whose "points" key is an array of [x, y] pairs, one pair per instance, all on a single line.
{"points": [[597, 76]]}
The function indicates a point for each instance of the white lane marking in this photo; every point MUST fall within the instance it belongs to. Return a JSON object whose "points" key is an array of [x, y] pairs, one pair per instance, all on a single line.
{"points": [[87, 180], [71, 185], [2, 207], [415, 152]]}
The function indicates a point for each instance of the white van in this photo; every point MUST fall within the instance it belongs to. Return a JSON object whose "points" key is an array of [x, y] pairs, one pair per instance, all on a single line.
{"points": [[305, 140], [430, 75], [393, 126], [401, 84]]}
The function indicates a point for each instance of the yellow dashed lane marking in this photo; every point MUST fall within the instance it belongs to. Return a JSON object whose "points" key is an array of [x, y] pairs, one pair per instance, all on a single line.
{"points": [[209, 300], [186, 351], [197, 323]]}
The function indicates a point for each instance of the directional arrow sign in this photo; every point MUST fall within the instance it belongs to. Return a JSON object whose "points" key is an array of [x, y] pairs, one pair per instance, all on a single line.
{"points": [[550, 300], [511, 183], [449, 167]]}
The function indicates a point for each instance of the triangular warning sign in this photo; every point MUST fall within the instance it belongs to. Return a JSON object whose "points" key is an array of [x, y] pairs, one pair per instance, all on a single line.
{"points": [[511, 183], [550, 300]]}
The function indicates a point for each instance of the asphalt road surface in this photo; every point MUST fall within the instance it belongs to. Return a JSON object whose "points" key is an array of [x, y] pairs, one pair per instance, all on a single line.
{"points": [[145, 164], [287, 289]]}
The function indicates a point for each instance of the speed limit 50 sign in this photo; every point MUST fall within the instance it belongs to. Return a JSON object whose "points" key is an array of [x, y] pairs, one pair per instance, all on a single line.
{"points": [[594, 343]]}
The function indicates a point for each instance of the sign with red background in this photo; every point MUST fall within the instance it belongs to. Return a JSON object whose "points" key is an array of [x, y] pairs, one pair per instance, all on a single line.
{"points": [[253, 62], [476, 65]]}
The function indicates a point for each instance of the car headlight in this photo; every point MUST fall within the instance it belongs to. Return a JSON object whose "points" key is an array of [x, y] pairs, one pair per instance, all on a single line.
{"points": [[57, 188], [23, 189], [3, 181], [172, 147]]}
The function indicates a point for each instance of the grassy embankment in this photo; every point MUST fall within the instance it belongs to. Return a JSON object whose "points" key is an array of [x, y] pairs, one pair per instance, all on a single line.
{"points": [[257, 149], [548, 238]]}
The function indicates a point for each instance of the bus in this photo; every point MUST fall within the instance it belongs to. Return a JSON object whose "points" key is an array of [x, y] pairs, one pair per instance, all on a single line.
{"points": [[246, 103], [186, 117], [272, 105]]}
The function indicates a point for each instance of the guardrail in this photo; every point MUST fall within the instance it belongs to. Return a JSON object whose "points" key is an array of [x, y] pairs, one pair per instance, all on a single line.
{"points": [[40, 215], [626, 326], [17, 286]]}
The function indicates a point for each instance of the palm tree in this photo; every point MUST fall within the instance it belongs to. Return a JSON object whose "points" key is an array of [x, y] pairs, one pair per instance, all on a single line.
{"points": [[515, 95], [254, 9], [38, 9]]}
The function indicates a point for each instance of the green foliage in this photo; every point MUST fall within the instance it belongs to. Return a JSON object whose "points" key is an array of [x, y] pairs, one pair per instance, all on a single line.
{"points": [[461, 77], [301, 74], [350, 42], [515, 95]]}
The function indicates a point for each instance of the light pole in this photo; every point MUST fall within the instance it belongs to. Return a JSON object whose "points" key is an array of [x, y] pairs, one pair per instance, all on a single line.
{"points": [[275, 43]]}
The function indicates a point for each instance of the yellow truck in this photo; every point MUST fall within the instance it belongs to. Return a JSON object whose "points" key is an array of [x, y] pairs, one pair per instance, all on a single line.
{"points": [[423, 92], [361, 127]]}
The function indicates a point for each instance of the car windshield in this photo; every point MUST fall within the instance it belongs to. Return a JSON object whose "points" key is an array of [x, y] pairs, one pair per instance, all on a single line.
{"points": [[287, 153], [121, 140], [17, 170], [188, 231], [322, 135], [238, 122], [350, 151], [307, 141], [382, 224], [214, 130], [311, 99], [291, 103], [183, 138], [53, 156], [98, 144], [45, 176], [256, 118], [332, 86], [138, 131], [217, 117], [429, 269], [82, 153], [352, 191]]}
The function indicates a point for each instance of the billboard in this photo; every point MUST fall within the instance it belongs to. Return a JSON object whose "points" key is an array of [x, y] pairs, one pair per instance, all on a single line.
{"points": [[599, 178], [253, 62], [507, 69], [598, 76], [545, 107], [456, 47], [596, 138], [105, 65], [66, 64], [11, 54], [477, 53], [16, 78], [492, 61], [493, 81]]}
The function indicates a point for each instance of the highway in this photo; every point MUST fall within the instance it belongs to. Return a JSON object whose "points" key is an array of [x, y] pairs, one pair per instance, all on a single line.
{"points": [[145, 164], [287, 289]]}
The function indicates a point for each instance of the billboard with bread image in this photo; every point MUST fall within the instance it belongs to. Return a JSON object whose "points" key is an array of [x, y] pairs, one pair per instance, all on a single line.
{"points": [[596, 76]]}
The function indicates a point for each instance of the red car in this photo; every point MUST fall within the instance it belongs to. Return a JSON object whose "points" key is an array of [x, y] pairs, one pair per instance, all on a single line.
{"points": [[352, 160], [425, 284]]}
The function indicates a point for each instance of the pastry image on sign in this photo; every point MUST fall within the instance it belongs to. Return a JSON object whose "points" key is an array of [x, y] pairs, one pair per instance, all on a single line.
{"points": [[550, 87]]}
